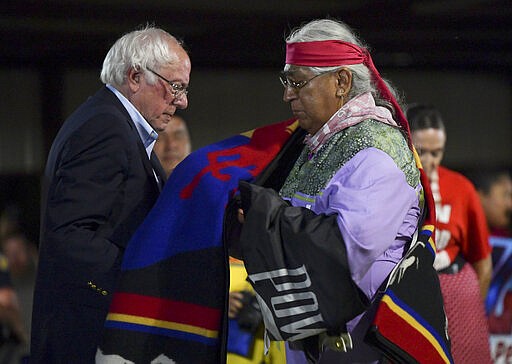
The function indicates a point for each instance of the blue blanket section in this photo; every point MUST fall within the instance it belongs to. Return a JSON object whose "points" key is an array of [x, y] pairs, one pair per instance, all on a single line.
{"points": [[176, 225], [239, 341], [501, 283]]}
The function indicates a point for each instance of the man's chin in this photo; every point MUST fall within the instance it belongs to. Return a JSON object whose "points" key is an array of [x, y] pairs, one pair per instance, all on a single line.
{"points": [[161, 127]]}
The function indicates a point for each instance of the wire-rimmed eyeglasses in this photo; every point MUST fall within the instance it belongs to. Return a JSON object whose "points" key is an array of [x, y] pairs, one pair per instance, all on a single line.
{"points": [[297, 85], [177, 90]]}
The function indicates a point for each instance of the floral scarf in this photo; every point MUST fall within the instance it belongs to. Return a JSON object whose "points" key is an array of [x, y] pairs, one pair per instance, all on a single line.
{"points": [[360, 108]]}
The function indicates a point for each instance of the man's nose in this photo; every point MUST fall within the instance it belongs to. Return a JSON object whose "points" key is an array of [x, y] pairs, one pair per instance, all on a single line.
{"points": [[180, 102]]}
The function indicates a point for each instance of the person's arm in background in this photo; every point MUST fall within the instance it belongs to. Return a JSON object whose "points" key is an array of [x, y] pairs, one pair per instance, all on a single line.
{"points": [[483, 270], [10, 314], [478, 249]]}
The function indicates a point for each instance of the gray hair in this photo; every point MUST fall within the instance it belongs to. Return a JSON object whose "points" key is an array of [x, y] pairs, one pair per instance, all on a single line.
{"points": [[140, 49], [328, 29]]}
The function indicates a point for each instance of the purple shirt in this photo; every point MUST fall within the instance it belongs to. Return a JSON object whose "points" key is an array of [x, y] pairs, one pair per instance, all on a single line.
{"points": [[378, 212]]}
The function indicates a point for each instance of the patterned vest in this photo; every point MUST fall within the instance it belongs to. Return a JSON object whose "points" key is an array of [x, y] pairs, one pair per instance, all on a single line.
{"points": [[310, 176]]}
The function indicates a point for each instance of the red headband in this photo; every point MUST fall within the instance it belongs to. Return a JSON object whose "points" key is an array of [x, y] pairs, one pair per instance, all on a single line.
{"points": [[329, 53], [325, 53]]}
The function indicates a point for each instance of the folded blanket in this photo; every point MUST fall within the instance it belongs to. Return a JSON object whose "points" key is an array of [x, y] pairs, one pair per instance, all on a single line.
{"points": [[171, 300]]}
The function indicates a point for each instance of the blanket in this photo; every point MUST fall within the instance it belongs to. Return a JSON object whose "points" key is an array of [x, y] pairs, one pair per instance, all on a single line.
{"points": [[170, 304]]}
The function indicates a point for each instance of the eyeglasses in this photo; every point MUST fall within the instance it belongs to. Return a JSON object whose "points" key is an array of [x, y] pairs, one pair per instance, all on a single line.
{"points": [[177, 90], [297, 85]]}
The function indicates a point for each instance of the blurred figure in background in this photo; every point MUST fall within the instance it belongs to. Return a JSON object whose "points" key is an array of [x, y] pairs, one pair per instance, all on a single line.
{"points": [[495, 190], [461, 237], [13, 333], [173, 144], [14, 218], [21, 255], [19, 252]]}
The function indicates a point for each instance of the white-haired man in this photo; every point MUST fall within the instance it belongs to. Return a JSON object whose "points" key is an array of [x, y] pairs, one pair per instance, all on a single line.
{"points": [[100, 181]]}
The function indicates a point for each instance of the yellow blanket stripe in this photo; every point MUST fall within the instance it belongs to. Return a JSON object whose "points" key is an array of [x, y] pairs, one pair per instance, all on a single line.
{"points": [[416, 158], [290, 129], [213, 334], [430, 240]]}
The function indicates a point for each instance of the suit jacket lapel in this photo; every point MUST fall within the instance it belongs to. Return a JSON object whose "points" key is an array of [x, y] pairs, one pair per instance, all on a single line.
{"points": [[159, 170], [148, 165], [107, 94]]}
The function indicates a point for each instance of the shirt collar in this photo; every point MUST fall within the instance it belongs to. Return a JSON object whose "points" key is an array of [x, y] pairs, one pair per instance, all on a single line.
{"points": [[147, 134]]}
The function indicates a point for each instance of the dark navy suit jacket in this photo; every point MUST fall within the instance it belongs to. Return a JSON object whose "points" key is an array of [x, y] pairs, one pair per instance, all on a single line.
{"points": [[97, 188]]}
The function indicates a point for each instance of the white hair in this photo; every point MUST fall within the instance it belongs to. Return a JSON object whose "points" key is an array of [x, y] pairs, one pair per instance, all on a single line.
{"points": [[139, 49], [328, 29]]}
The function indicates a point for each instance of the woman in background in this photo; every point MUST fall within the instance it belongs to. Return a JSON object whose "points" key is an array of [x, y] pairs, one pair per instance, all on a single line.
{"points": [[461, 237]]}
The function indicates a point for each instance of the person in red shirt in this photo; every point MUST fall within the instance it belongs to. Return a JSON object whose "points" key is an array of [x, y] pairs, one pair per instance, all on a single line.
{"points": [[463, 257]]}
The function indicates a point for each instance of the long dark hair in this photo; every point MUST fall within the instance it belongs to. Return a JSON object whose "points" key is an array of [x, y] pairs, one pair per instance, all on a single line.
{"points": [[423, 116]]}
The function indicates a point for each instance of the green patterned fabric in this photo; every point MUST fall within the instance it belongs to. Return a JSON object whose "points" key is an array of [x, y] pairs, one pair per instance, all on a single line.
{"points": [[310, 176]]}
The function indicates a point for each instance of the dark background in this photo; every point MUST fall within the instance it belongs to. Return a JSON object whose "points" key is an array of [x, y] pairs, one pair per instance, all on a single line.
{"points": [[456, 54]]}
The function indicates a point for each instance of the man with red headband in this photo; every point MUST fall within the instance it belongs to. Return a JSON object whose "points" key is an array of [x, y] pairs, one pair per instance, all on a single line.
{"points": [[319, 245]]}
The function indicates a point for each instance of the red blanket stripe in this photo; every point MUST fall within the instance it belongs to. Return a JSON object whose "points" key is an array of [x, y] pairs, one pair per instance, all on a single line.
{"points": [[166, 310], [418, 346]]}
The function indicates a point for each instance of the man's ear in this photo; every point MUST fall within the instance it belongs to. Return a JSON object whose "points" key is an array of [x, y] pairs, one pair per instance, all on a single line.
{"points": [[133, 78]]}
